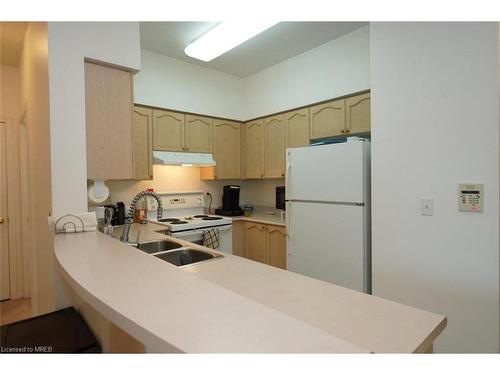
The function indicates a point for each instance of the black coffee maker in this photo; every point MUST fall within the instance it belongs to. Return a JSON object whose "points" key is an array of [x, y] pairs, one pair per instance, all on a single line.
{"points": [[230, 201]]}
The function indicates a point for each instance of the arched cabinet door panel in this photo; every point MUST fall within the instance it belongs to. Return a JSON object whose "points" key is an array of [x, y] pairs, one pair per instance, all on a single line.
{"points": [[327, 119], [168, 130]]}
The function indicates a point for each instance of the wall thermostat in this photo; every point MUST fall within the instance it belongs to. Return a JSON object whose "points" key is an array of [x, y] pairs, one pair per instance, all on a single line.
{"points": [[470, 197]]}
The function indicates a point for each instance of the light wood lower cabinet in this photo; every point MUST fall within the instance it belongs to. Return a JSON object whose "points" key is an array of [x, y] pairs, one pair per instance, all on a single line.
{"points": [[108, 113], [297, 128], [198, 134], [327, 119], [254, 149], [168, 130], [276, 246], [358, 114], [262, 243], [274, 150], [239, 238], [142, 143], [256, 242]]}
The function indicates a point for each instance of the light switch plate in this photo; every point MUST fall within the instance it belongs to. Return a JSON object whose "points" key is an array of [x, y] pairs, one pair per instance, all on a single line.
{"points": [[427, 206], [470, 197]]}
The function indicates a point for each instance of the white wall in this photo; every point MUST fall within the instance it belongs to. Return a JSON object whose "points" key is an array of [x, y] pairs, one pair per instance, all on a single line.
{"points": [[435, 123], [337, 68], [69, 43], [176, 178], [169, 83]]}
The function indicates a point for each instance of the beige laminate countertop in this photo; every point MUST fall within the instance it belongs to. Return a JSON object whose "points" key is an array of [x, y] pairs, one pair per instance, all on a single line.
{"points": [[232, 304]]}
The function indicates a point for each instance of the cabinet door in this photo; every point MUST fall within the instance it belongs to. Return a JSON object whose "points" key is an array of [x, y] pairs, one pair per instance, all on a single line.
{"points": [[256, 242], [108, 113], [276, 246], [239, 238], [198, 131], [274, 152], [358, 114], [254, 149], [227, 149], [328, 119], [297, 128], [142, 135], [168, 130]]}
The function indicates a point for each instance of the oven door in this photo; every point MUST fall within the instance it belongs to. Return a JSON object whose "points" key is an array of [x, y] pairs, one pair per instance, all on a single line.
{"points": [[196, 236]]}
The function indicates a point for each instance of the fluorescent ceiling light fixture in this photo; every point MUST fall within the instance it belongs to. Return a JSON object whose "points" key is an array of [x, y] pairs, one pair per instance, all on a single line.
{"points": [[224, 37]]}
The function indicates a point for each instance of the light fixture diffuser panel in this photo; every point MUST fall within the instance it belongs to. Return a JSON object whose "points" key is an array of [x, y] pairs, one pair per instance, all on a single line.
{"points": [[224, 37]]}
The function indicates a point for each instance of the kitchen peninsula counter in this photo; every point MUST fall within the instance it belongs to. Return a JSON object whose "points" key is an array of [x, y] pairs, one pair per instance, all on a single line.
{"points": [[232, 304]]}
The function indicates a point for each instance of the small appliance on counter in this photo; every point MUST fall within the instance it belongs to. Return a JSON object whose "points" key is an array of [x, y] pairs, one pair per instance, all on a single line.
{"points": [[118, 209], [280, 197], [230, 201]]}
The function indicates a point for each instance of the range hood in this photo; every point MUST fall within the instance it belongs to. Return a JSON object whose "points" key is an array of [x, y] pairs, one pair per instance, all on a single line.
{"points": [[183, 158]]}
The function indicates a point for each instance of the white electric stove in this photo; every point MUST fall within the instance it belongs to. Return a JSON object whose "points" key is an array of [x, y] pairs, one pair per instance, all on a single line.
{"points": [[183, 217]]}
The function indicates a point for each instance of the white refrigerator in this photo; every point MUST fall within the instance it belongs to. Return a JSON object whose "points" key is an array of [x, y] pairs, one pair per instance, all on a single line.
{"points": [[328, 213]]}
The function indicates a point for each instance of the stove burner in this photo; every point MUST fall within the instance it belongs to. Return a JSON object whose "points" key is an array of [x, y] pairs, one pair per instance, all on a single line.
{"points": [[199, 216], [178, 222], [168, 220], [212, 218]]}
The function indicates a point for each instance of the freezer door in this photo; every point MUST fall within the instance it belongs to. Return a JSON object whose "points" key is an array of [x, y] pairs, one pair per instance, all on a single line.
{"points": [[330, 173], [328, 242]]}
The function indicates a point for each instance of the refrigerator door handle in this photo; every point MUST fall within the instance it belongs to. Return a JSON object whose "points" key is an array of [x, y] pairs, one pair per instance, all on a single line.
{"points": [[287, 226], [287, 172]]}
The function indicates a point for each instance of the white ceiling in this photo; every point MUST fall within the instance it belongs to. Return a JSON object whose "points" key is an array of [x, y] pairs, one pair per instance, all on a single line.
{"points": [[278, 43]]}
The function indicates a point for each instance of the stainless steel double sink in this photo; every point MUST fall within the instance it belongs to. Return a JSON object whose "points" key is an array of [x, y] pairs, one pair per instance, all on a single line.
{"points": [[177, 254]]}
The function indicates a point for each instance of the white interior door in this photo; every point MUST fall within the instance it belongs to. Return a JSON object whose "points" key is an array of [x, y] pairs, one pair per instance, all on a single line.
{"points": [[4, 225], [327, 242]]}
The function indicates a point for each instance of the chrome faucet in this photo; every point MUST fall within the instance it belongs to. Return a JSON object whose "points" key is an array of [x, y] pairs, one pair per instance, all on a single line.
{"points": [[131, 211]]}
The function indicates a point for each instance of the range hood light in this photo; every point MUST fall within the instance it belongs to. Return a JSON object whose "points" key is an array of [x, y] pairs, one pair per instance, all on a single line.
{"points": [[224, 37], [186, 159]]}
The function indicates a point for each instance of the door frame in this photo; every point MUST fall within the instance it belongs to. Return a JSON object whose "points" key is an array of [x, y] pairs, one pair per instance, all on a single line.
{"points": [[17, 262]]}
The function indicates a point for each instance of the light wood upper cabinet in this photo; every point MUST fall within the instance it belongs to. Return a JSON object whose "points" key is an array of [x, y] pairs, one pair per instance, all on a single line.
{"points": [[254, 149], [327, 119], [297, 128], [274, 152], [358, 113], [276, 246], [227, 149], [108, 113], [256, 242], [142, 138], [198, 134], [168, 130]]}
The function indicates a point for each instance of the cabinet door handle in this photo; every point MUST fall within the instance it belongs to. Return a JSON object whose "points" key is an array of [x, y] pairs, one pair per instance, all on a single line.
{"points": [[261, 175], [342, 131]]}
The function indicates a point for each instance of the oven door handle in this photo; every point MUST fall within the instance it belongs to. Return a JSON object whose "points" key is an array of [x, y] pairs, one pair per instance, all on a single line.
{"points": [[187, 233]]}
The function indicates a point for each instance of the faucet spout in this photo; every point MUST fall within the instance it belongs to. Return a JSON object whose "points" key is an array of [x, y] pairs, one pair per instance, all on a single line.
{"points": [[130, 217]]}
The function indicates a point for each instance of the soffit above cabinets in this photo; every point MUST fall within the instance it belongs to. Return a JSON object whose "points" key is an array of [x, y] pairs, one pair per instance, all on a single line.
{"points": [[276, 44], [11, 42]]}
